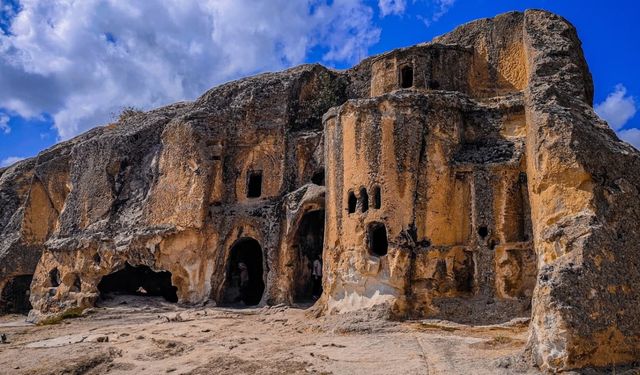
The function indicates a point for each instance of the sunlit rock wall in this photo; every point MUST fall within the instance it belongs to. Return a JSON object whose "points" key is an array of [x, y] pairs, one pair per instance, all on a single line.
{"points": [[434, 170], [169, 189], [467, 178]]}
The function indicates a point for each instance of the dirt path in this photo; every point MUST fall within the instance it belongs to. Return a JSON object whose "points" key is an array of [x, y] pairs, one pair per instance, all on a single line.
{"points": [[138, 338]]}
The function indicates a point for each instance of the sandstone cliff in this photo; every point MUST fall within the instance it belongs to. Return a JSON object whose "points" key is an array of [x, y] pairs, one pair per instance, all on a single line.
{"points": [[467, 178]]}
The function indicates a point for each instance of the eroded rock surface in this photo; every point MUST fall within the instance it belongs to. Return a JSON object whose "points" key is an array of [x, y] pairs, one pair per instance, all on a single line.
{"points": [[467, 179]]}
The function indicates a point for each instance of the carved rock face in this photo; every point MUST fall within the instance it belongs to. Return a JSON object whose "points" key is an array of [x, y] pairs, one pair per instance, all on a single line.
{"points": [[467, 179], [454, 216]]}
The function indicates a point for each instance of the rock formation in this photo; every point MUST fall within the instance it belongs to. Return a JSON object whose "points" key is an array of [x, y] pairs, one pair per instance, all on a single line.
{"points": [[467, 178]]}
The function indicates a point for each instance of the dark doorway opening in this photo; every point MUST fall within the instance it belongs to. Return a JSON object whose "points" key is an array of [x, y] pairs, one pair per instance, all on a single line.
{"points": [[54, 278], [308, 245], [464, 275], [15, 295], [254, 184], [364, 200], [352, 202], [244, 281], [138, 281], [406, 77], [318, 178], [377, 197], [377, 237]]}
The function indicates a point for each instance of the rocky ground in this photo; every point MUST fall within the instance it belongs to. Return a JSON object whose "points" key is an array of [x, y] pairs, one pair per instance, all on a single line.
{"points": [[137, 335]]}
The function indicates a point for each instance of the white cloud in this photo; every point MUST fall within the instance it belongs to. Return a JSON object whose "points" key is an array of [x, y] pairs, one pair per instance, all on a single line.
{"points": [[439, 9], [388, 7], [4, 124], [80, 61], [617, 108], [436, 9], [10, 160], [443, 7], [632, 136]]}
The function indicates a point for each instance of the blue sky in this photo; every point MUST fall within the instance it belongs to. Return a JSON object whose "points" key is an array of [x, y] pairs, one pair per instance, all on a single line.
{"points": [[68, 66]]}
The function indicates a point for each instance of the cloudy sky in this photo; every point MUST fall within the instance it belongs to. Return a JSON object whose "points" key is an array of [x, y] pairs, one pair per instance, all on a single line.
{"points": [[69, 65]]}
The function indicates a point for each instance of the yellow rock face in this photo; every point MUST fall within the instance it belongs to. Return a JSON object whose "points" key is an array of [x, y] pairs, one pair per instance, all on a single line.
{"points": [[452, 204], [467, 179]]}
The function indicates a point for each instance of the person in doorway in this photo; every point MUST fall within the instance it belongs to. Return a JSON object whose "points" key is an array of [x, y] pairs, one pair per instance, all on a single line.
{"points": [[316, 274], [244, 280]]}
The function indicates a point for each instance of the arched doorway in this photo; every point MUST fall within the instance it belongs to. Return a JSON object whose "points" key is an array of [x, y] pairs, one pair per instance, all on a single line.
{"points": [[244, 281], [138, 281], [15, 295], [308, 246]]}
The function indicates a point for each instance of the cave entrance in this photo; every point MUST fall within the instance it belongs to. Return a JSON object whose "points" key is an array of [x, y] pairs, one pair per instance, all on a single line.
{"points": [[244, 282], [15, 295], [309, 240], [138, 281]]}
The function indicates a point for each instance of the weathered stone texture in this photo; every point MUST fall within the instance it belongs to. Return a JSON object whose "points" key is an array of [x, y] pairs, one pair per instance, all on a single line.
{"points": [[586, 214], [434, 205], [167, 189], [467, 179]]}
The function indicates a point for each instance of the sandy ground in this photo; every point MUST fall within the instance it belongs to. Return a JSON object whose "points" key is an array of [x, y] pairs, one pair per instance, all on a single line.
{"points": [[137, 335]]}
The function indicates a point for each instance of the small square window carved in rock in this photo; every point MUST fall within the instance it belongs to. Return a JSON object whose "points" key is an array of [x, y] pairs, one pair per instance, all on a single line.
{"points": [[483, 231]]}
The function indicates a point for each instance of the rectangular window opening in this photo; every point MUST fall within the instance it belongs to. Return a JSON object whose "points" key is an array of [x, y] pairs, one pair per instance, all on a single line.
{"points": [[406, 77], [254, 184]]}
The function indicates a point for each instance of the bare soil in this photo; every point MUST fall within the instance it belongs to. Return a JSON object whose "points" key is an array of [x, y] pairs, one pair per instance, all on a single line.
{"points": [[138, 335]]}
